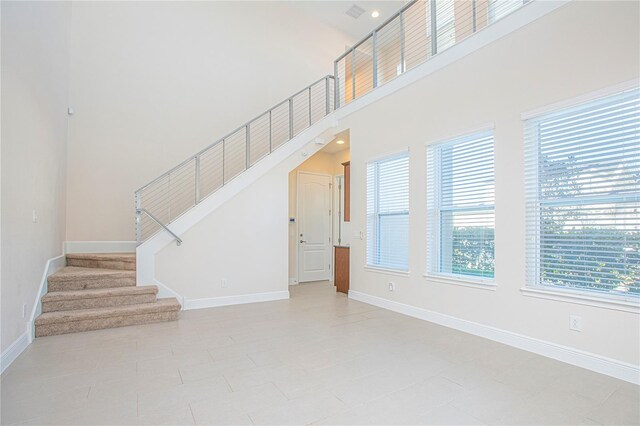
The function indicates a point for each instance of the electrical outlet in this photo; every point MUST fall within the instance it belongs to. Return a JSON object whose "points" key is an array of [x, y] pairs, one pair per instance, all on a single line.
{"points": [[24, 310], [34, 216], [392, 286], [224, 283], [575, 323]]}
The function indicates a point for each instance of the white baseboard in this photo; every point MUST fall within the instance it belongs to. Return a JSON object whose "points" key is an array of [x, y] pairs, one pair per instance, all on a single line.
{"points": [[164, 292], [51, 267], [14, 350], [99, 246], [600, 364], [234, 300]]}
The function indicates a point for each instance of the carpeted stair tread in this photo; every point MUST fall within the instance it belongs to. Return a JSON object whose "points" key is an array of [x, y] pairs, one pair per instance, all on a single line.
{"points": [[72, 278], [76, 273], [97, 298], [98, 292], [120, 257], [60, 317], [118, 261]]}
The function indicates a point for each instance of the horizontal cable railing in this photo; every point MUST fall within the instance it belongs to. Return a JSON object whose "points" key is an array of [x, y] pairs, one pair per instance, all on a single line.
{"points": [[167, 197], [414, 34], [418, 31]]}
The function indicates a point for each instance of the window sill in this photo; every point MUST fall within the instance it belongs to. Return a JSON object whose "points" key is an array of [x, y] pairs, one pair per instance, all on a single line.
{"points": [[464, 282], [396, 272], [583, 298]]}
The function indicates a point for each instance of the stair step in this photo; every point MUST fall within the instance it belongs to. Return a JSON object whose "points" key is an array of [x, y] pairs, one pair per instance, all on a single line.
{"points": [[62, 322], [79, 278], [119, 261], [98, 298]]}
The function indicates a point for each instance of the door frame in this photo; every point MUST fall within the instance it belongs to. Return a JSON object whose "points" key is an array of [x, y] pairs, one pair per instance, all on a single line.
{"points": [[336, 219], [331, 188]]}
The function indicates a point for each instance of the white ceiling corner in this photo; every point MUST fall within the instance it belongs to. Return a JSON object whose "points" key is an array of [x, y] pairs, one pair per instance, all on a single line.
{"points": [[334, 14]]}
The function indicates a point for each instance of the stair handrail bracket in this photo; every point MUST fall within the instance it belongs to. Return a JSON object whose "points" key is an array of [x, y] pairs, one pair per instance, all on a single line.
{"points": [[139, 213], [170, 195]]}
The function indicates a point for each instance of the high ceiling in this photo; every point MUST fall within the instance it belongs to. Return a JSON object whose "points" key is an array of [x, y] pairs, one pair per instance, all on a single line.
{"points": [[333, 13]]}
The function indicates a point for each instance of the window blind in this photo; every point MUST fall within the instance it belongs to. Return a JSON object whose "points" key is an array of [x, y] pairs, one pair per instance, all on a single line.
{"points": [[460, 207], [582, 191], [388, 213], [500, 8]]}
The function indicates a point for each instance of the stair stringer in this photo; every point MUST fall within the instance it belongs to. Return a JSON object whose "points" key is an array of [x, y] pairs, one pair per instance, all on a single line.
{"points": [[294, 152]]}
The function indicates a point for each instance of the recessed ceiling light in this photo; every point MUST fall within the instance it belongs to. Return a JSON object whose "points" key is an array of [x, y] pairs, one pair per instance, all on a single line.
{"points": [[339, 141], [375, 14]]}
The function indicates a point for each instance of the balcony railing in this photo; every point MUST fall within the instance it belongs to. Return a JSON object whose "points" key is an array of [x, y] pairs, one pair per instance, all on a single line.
{"points": [[418, 31]]}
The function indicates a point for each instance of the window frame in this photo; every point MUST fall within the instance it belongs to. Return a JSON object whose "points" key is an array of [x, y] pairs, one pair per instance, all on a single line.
{"points": [[434, 246], [377, 266], [576, 295], [493, 10]]}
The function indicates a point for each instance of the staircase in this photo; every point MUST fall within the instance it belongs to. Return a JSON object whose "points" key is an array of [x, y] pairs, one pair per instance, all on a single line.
{"points": [[96, 291], [407, 39]]}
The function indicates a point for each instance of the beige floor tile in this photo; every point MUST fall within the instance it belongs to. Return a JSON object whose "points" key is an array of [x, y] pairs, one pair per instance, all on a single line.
{"points": [[371, 387], [448, 415], [382, 411], [181, 417], [194, 373], [594, 386], [621, 408], [300, 411], [316, 358], [54, 405], [205, 414], [235, 406], [540, 373], [488, 402]]}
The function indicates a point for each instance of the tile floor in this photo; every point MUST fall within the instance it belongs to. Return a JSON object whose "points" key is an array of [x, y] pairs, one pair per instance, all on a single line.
{"points": [[318, 358]]}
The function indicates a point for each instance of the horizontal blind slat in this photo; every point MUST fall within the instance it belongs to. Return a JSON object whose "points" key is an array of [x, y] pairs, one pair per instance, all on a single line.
{"points": [[583, 196], [388, 212], [460, 198]]}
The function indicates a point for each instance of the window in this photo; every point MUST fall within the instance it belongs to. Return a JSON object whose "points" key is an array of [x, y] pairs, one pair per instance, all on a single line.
{"points": [[500, 8], [583, 202], [388, 213], [460, 207], [445, 24]]}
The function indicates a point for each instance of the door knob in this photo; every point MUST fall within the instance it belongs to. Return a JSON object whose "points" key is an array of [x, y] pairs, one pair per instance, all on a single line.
{"points": [[302, 241]]}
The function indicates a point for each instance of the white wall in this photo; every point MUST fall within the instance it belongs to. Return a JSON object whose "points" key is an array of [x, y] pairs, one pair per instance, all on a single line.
{"points": [[154, 82], [243, 242], [580, 48], [35, 69]]}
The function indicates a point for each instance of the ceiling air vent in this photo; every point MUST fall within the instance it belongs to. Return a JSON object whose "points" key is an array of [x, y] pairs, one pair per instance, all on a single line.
{"points": [[355, 11]]}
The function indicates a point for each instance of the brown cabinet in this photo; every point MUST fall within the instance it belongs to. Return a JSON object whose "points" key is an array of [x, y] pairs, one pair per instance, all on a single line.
{"points": [[341, 270], [347, 191]]}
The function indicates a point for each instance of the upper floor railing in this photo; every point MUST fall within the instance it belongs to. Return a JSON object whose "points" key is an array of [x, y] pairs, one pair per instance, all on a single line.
{"points": [[417, 32]]}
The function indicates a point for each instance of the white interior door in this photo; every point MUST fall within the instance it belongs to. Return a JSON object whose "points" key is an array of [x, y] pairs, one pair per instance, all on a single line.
{"points": [[314, 227]]}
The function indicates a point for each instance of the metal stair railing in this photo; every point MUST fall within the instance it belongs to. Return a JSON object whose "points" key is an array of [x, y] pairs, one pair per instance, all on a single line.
{"points": [[171, 194], [410, 37]]}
